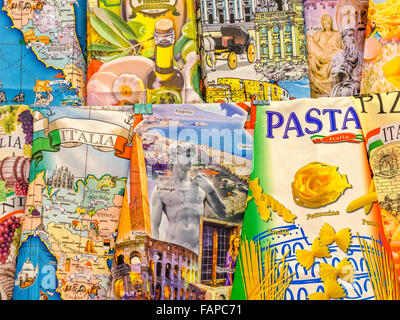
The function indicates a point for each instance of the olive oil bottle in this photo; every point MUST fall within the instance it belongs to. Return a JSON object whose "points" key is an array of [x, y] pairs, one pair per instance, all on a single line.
{"points": [[165, 82]]}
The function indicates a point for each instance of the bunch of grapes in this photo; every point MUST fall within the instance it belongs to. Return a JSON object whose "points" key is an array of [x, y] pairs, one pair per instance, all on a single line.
{"points": [[20, 188], [27, 125], [7, 230]]}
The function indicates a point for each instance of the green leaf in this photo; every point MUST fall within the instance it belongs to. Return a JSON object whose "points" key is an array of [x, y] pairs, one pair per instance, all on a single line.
{"points": [[147, 53], [100, 13], [121, 25], [115, 56], [103, 47], [104, 30]]}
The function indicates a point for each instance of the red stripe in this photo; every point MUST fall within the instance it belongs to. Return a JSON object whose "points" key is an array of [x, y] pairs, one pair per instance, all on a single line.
{"points": [[372, 133], [243, 105]]}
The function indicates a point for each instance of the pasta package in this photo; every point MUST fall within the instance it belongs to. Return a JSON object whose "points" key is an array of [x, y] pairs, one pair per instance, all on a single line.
{"points": [[381, 71], [335, 42], [142, 52], [80, 163], [252, 50], [380, 123], [15, 151], [312, 228], [181, 219]]}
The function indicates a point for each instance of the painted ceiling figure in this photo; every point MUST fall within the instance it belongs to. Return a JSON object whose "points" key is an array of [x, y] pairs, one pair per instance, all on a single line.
{"points": [[272, 5], [287, 5]]}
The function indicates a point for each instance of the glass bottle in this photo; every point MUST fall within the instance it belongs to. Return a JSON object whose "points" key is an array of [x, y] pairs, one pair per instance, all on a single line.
{"points": [[165, 82]]}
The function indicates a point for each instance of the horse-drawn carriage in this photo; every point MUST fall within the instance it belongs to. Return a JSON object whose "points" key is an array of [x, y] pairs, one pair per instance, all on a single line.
{"points": [[235, 40]]}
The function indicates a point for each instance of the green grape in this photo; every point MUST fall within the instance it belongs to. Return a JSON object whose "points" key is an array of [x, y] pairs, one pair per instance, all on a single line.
{"points": [[140, 30], [8, 123], [189, 30]]}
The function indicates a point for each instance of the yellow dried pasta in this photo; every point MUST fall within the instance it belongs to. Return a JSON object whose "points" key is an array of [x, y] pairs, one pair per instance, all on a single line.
{"points": [[366, 200], [344, 270], [386, 17], [306, 257], [332, 290], [318, 184], [266, 203], [342, 238]]}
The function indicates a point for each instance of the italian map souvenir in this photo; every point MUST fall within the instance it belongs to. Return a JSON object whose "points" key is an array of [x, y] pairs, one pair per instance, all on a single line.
{"points": [[80, 161], [312, 229], [380, 123], [252, 50], [335, 41], [181, 219], [42, 51], [15, 151], [142, 52], [381, 71]]}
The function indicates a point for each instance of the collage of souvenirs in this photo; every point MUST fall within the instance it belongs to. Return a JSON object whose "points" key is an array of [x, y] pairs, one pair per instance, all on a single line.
{"points": [[199, 150]]}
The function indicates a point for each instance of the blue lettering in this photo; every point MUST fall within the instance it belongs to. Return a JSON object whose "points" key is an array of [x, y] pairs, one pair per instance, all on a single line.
{"points": [[353, 117], [313, 120], [270, 124], [297, 126], [276, 120], [332, 117]]}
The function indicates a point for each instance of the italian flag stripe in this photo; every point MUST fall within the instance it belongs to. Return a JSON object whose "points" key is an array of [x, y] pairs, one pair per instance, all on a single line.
{"points": [[372, 133], [374, 145], [373, 139]]}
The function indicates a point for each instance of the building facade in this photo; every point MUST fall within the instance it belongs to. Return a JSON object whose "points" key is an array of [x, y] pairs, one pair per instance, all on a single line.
{"points": [[61, 178], [165, 269], [227, 11], [236, 89], [280, 34]]}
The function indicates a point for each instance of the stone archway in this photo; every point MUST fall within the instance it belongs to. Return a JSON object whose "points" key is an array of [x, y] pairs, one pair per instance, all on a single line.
{"points": [[168, 271], [176, 272], [167, 293], [183, 272], [118, 289], [158, 292], [159, 269], [135, 258]]}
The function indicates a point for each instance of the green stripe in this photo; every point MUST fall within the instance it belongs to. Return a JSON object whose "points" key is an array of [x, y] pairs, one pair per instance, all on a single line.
{"points": [[375, 145], [52, 144], [317, 136]]}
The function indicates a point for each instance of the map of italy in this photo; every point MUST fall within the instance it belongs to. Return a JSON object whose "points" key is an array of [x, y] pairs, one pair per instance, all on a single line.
{"points": [[78, 227], [46, 31]]}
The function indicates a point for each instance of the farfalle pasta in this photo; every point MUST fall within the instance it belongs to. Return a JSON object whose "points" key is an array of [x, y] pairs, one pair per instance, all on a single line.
{"points": [[343, 270], [332, 290]]}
